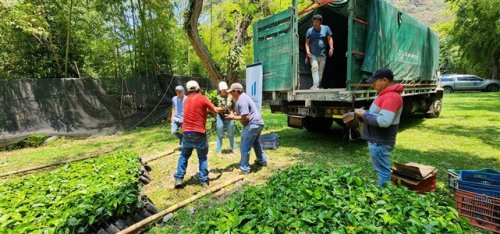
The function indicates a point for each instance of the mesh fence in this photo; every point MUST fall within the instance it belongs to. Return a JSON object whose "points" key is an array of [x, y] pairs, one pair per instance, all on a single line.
{"points": [[83, 107]]}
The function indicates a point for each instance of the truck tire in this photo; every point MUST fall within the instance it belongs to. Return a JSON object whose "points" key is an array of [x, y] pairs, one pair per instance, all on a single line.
{"points": [[318, 124], [434, 109], [448, 89], [492, 88]]}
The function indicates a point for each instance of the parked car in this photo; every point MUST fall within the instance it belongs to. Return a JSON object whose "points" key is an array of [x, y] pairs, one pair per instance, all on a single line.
{"points": [[462, 82]]}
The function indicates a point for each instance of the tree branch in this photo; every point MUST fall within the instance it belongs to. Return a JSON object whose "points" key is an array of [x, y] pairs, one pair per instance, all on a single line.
{"points": [[191, 27]]}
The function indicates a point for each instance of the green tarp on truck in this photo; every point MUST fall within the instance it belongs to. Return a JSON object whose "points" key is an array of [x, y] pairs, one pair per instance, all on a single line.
{"points": [[398, 41], [368, 34]]}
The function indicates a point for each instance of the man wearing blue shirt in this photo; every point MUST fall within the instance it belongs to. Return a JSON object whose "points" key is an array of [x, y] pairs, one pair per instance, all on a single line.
{"points": [[316, 38], [177, 112]]}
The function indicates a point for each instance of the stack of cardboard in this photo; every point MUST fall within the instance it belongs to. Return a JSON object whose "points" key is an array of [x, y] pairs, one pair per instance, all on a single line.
{"points": [[418, 177]]}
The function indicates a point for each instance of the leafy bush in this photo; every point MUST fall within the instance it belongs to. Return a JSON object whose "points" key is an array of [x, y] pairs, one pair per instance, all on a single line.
{"points": [[212, 95], [30, 141], [313, 200], [71, 198]]}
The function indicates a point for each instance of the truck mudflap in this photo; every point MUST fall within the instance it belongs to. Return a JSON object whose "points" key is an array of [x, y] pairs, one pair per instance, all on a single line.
{"points": [[296, 121]]}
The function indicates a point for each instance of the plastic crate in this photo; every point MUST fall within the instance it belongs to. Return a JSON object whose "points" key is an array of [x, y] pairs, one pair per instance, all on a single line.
{"points": [[453, 180], [484, 181], [270, 141], [481, 210]]}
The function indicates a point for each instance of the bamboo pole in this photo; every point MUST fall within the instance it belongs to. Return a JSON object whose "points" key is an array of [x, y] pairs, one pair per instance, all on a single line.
{"points": [[171, 209]]}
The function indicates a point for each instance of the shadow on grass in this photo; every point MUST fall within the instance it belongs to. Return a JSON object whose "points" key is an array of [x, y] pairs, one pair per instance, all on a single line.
{"points": [[327, 148], [330, 150], [488, 134], [411, 121], [478, 107]]}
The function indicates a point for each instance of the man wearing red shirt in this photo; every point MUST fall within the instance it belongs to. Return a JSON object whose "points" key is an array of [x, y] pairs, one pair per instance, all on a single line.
{"points": [[196, 107]]}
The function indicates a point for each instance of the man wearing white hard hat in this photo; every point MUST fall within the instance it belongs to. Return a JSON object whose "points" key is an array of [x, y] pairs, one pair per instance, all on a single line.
{"points": [[177, 112], [194, 136], [225, 101]]}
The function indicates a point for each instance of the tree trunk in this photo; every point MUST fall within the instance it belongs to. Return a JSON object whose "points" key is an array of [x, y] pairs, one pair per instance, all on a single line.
{"points": [[52, 46], [66, 56], [191, 26], [133, 59], [494, 68]]}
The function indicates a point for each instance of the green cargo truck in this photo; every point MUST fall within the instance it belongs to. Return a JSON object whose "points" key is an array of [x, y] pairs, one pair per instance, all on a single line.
{"points": [[368, 34]]}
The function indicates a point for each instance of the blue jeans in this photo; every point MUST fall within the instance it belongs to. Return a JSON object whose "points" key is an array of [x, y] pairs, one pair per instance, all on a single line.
{"points": [[201, 146], [174, 129], [381, 161], [250, 137], [229, 126]]}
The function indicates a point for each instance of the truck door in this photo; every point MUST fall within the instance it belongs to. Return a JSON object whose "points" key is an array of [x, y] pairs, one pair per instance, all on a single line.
{"points": [[475, 83], [276, 47], [461, 83]]}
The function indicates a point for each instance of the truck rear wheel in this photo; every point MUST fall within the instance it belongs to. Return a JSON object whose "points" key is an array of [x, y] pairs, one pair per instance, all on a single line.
{"points": [[317, 124], [434, 109]]}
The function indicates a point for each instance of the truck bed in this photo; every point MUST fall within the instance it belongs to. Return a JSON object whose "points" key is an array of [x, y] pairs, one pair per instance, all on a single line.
{"points": [[335, 95], [343, 95]]}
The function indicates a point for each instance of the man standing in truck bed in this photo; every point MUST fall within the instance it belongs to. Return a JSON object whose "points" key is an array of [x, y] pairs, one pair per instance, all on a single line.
{"points": [[316, 38], [381, 122]]}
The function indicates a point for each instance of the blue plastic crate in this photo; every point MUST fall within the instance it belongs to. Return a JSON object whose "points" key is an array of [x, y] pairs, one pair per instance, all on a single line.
{"points": [[486, 181], [270, 141]]}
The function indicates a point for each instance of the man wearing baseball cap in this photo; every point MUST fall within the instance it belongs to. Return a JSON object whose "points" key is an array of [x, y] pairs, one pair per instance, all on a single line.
{"points": [[225, 101], [249, 116], [194, 136], [177, 112], [381, 122]]}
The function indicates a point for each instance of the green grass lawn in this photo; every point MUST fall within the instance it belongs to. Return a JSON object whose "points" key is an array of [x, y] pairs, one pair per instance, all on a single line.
{"points": [[466, 136], [146, 141]]}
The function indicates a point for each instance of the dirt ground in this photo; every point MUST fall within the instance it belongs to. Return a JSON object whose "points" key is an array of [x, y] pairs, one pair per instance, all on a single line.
{"points": [[222, 168]]}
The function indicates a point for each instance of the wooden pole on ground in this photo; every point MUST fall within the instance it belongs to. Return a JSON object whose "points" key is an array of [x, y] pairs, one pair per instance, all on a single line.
{"points": [[171, 209], [158, 156]]}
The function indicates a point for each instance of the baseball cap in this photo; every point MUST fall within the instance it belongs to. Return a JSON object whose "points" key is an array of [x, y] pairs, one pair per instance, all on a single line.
{"points": [[222, 85], [192, 85], [179, 88], [236, 86], [381, 73]]}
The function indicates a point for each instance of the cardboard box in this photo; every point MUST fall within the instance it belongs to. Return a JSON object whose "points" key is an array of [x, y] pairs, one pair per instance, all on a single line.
{"points": [[413, 173], [417, 177]]}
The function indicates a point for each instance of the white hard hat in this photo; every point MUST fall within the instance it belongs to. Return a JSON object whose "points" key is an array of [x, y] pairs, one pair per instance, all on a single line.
{"points": [[222, 85], [192, 85], [179, 88]]}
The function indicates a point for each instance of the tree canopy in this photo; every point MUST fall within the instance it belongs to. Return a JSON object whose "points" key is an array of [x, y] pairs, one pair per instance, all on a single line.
{"points": [[470, 43], [125, 38]]}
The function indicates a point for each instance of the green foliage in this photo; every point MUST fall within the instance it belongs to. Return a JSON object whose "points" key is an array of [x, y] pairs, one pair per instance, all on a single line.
{"points": [[306, 199], [106, 38], [475, 36], [70, 199], [212, 96], [30, 141]]}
